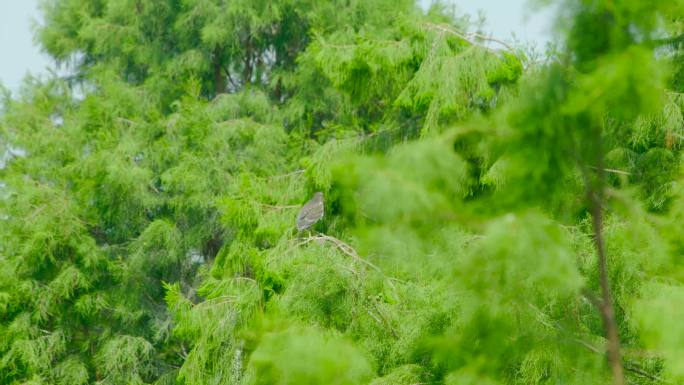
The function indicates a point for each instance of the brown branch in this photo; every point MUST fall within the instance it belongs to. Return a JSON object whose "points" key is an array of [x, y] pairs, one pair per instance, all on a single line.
{"points": [[595, 198]]}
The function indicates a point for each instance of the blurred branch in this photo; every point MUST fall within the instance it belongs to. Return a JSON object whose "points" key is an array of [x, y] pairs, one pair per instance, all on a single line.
{"points": [[628, 365], [612, 170]]}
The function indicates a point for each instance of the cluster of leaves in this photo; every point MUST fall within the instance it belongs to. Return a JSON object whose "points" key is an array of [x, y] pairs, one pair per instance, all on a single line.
{"points": [[147, 220]]}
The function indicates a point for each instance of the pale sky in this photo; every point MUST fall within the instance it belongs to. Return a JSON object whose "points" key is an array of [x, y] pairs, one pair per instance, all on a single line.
{"points": [[503, 18], [20, 56]]}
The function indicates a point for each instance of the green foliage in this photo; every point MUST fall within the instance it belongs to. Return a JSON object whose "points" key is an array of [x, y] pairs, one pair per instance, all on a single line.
{"points": [[147, 221], [652, 313], [320, 359]]}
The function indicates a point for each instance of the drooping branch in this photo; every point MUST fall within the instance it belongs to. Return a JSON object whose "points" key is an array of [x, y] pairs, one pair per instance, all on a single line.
{"points": [[343, 247], [470, 37]]}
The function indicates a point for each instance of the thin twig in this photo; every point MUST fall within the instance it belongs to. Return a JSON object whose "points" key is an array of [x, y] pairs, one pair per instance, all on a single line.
{"points": [[592, 298], [127, 121], [278, 207], [643, 373], [289, 174], [241, 278], [555, 327], [349, 269], [386, 322], [370, 313], [35, 212], [224, 298], [153, 187], [612, 170], [230, 78]]}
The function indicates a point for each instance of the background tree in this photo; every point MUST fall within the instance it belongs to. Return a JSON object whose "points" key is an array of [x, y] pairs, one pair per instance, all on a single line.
{"points": [[149, 219]]}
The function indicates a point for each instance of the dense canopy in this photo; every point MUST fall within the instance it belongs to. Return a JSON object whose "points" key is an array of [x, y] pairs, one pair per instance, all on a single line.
{"points": [[491, 217]]}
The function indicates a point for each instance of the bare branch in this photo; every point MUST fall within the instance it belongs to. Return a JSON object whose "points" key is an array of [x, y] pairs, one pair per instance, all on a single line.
{"points": [[343, 247], [469, 36], [612, 170]]}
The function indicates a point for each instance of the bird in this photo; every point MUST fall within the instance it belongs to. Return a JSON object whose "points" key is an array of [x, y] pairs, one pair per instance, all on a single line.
{"points": [[311, 212]]}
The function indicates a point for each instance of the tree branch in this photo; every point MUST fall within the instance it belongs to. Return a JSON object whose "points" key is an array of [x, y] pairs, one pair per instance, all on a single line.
{"points": [[343, 247], [230, 79], [629, 366], [469, 36], [595, 198]]}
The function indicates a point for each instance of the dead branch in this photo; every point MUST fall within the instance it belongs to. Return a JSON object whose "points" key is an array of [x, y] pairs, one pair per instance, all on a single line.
{"points": [[343, 247], [469, 36]]}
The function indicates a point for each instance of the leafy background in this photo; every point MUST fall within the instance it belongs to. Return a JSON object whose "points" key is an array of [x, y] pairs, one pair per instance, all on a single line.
{"points": [[148, 199]]}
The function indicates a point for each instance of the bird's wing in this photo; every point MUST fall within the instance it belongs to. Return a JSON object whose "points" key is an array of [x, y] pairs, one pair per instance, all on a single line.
{"points": [[309, 215]]}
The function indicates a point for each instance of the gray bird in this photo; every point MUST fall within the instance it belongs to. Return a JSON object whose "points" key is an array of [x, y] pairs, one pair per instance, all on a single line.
{"points": [[311, 212]]}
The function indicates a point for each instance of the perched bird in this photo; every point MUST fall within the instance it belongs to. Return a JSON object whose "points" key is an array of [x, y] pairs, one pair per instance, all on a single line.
{"points": [[311, 212]]}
